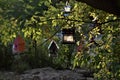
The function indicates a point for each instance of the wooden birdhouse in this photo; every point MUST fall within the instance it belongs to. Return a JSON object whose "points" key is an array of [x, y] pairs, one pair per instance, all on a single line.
{"points": [[18, 45], [67, 9], [53, 48]]}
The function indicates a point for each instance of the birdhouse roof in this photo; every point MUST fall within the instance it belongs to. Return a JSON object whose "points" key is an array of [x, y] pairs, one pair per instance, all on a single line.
{"points": [[53, 44]]}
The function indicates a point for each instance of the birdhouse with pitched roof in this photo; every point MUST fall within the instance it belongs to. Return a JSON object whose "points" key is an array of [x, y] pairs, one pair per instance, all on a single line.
{"points": [[18, 45], [53, 48]]}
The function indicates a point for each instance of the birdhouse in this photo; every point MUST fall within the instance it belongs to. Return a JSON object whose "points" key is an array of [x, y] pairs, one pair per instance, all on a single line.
{"points": [[53, 48], [67, 9], [18, 45], [68, 36]]}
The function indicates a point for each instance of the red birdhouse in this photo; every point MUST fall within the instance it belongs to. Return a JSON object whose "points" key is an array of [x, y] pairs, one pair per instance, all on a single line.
{"points": [[18, 45]]}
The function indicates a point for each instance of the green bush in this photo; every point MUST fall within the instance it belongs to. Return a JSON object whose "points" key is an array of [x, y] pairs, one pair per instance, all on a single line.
{"points": [[6, 57], [20, 67]]}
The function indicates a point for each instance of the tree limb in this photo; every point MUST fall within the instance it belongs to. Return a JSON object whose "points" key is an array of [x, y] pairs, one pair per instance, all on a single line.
{"points": [[110, 6]]}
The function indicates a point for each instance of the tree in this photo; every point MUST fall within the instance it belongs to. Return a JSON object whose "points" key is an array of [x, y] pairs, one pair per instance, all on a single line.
{"points": [[39, 21], [112, 6]]}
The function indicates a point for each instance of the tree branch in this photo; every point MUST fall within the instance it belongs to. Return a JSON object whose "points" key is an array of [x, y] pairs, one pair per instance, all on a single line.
{"points": [[75, 21], [110, 6]]}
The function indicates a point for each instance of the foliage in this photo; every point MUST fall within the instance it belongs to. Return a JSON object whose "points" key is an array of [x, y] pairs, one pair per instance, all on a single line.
{"points": [[39, 21], [6, 58]]}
